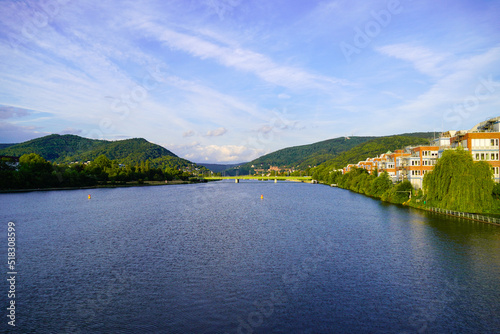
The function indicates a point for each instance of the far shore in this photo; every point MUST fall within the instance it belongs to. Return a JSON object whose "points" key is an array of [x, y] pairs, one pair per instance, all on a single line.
{"points": [[116, 185]]}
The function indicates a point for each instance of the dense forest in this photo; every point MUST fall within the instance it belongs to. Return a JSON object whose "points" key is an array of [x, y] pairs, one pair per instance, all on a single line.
{"points": [[33, 172]]}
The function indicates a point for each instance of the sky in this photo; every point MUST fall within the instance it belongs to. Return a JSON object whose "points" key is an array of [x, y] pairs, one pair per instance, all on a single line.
{"points": [[230, 80]]}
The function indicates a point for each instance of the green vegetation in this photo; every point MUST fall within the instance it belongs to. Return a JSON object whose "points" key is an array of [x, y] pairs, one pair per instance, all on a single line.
{"points": [[331, 153], [301, 157], [381, 186], [2, 146], [458, 183], [369, 149], [71, 148], [34, 172]]}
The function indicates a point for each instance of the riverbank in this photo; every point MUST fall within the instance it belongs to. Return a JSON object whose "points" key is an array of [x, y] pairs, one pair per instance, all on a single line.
{"points": [[116, 185], [416, 204]]}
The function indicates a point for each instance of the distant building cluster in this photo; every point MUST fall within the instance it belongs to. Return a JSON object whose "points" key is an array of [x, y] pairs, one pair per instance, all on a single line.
{"points": [[412, 163], [276, 169]]}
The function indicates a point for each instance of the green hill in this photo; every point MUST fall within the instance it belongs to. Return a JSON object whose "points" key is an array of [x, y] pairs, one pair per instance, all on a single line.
{"points": [[67, 148], [303, 156], [337, 151], [369, 149], [374, 147]]}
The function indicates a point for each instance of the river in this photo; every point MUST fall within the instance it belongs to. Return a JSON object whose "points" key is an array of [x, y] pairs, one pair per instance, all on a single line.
{"points": [[216, 258]]}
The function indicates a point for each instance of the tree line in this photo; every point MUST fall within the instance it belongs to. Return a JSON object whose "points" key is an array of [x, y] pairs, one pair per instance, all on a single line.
{"points": [[33, 172]]}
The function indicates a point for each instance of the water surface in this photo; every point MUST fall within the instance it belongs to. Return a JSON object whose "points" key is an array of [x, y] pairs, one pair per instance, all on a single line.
{"points": [[215, 258]]}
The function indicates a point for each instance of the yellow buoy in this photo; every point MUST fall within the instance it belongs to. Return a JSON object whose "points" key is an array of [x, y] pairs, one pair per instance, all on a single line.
{"points": [[261, 196], [89, 196]]}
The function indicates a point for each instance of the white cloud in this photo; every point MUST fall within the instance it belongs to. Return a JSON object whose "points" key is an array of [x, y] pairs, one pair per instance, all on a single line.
{"points": [[216, 133], [221, 153]]}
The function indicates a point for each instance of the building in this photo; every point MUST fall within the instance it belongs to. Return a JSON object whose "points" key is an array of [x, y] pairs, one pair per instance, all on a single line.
{"points": [[482, 141], [412, 163], [420, 161]]}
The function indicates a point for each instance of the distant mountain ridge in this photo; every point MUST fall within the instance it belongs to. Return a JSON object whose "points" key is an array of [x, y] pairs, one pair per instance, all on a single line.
{"points": [[67, 148], [336, 152]]}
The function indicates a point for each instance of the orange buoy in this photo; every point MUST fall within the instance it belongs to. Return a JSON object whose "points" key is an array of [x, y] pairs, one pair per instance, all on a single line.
{"points": [[261, 196], [89, 196]]}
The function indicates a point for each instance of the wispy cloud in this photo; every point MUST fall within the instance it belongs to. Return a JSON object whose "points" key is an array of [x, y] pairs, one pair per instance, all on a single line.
{"points": [[242, 59], [7, 112], [424, 60], [216, 71]]}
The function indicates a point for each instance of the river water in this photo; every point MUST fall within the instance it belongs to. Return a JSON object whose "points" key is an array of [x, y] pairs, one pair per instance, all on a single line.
{"points": [[216, 258]]}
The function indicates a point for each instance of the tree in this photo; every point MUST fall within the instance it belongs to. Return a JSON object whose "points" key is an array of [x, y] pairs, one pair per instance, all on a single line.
{"points": [[35, 172], [458, 183], [102, 162], [381, 184]]}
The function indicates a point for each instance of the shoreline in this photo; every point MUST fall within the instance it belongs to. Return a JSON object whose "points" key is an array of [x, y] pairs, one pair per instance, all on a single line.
{"points": [[127, 185], [463, 215]]}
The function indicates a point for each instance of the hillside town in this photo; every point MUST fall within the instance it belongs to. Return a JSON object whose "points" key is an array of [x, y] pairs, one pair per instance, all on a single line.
{"points": [[412, 163]]}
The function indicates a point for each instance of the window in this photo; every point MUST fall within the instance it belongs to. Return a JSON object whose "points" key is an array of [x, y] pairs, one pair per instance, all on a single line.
{"points": [[477, 156], [482, 156]]}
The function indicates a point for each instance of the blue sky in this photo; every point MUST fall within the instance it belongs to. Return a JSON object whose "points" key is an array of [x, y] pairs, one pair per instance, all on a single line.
{"points": [[230, 80]]}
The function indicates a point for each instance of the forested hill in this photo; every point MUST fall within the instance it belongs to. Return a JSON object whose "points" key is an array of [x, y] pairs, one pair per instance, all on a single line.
{"points": [[373, 148], [67, 148], [346, 149], [305, 155]]}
